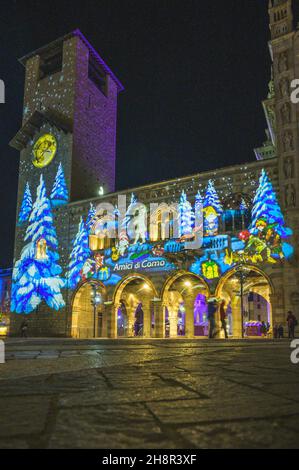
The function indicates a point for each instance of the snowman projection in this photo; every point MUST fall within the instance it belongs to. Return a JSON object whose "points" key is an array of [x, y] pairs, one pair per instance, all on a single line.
{"points": [[212, 211], [122, 245]]}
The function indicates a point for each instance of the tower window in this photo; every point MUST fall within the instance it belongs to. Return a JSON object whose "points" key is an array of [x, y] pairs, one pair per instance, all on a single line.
{"points": [[97, 75], [51, 62]]}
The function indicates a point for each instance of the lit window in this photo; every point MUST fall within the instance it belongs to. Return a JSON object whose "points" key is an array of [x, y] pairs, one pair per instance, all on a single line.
{"points": [[41, 249]]}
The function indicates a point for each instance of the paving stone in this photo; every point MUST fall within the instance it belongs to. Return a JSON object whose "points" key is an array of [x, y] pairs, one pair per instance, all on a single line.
{"points": [[197, 411], [164, 394], [23, 415], [259, 434], [99, 427], [6, 444]]}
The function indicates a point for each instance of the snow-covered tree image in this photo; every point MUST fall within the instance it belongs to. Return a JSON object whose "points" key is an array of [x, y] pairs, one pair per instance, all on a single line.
{"points": [[37, 274], [266, 209], [212, 199], [212, 210], [26, 206], [90, 217], [268, 230], [130, 212], [59, 194], [186, 216], [243, 205], [79, 255], [198, 207]]}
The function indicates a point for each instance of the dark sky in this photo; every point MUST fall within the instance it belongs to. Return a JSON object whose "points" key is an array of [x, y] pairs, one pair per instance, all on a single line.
{"points": [[194, 73]]}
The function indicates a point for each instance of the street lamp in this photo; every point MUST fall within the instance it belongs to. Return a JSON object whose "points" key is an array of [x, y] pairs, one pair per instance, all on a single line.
{"points": [[96, 299], [241, 274]]}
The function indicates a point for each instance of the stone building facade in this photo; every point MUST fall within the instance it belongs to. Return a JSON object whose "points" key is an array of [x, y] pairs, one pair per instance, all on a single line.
{"points": [[75, 282]]}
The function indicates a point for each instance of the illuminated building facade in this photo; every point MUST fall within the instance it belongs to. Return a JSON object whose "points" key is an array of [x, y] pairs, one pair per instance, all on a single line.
{"points": [[71, 278]]}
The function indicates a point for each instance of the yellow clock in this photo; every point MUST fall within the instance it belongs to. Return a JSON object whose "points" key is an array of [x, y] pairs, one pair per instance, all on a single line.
{"points": [[44, 150]]}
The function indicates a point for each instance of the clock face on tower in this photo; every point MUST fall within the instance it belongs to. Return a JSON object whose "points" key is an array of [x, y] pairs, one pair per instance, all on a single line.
{"points": [[44, 150]]}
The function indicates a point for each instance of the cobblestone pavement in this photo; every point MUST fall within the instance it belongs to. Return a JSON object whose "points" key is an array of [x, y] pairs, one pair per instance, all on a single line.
{"points": [[152, 394]]}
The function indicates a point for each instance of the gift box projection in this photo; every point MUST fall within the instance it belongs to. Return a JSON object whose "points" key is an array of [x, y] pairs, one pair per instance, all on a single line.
{"points": [[149, 261]]}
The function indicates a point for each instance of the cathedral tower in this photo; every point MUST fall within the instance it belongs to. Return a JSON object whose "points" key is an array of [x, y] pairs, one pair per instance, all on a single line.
{"points": [[281, 17], [284, 50]]}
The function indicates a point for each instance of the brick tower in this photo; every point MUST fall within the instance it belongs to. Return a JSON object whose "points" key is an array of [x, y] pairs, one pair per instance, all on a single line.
{"points": [[70, 89]]}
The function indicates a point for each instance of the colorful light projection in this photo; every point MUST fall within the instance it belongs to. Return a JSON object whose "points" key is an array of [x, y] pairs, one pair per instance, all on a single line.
{"points": [[37, 274], [26, 206], [59, 194]]}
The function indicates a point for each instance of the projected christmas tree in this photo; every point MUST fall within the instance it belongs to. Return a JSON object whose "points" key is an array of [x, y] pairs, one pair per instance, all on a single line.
{"points": [[90, 217], [198, 208], [26, 206], [266, 210], [79, 255], [186, 216], [59, 194], [36, 275]]}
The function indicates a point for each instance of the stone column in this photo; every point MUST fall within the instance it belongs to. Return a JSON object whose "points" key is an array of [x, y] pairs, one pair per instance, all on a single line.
{"points": [[131, 320], [111, 319], [189, 316], [147, 318], [173, 321], [236, 315], [104, 324], [159, 314]]}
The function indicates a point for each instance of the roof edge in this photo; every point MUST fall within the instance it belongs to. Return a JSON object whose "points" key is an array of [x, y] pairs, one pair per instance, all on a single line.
{"points": [[79, 34]]}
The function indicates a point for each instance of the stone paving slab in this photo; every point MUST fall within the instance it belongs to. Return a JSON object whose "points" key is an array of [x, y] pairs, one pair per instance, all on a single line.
{"points": [[155, 394]]}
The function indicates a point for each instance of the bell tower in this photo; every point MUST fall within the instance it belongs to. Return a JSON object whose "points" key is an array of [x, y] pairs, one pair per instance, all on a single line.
{"points": [[71, 94]]}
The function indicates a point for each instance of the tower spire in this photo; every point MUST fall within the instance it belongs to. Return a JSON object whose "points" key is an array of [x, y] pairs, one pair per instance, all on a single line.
{"points": [[281, 17]]}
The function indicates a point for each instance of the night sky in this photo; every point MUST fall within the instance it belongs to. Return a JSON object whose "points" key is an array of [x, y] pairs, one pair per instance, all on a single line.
{"points": [[194, 74]]}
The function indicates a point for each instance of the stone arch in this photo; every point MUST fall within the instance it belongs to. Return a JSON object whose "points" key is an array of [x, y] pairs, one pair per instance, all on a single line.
{"points": [[246, 313], [136, 291], [171, 279], [232, 271], [126, 280], [83, 310], [179, 295]]}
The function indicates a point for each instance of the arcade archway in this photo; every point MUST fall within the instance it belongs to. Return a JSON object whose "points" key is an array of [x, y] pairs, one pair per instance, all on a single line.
{"points": [[88, 320], [247, 292], [133, 298], [184, 298]]}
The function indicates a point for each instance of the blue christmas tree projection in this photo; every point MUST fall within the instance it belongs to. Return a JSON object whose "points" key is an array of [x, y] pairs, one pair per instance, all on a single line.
{"points": [[90, 217], [79, 257], [59, 194], [212, 211], [186, 216], [198, 207], [243, 205], [36, 275], [26, 206], [130, 212], [268, 228]]}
